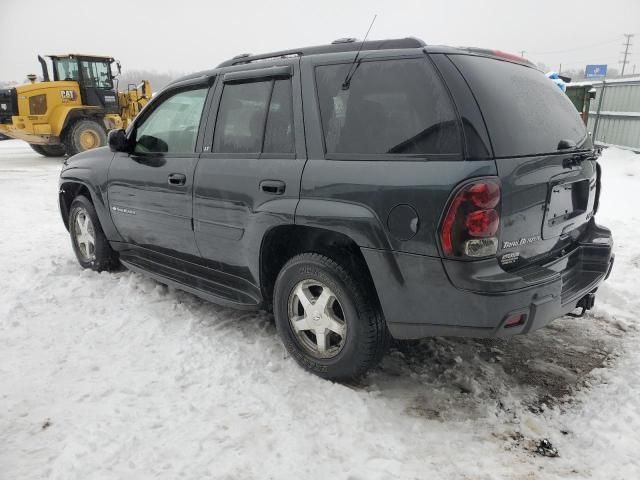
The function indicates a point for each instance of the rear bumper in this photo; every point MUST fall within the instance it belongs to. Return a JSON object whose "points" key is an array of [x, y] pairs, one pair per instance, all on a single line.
{"points": [[426, 296]]}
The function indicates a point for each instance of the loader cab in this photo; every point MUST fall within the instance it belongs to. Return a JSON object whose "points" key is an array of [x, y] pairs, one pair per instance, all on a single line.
{"points": [[94, 76]]}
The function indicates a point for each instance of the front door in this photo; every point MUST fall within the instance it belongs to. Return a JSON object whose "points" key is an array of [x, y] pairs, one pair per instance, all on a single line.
{"points": [[150, 190], [96, 85], [248, 177]]}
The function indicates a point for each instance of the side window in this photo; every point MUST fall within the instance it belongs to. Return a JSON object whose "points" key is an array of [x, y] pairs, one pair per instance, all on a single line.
{"points": [[391, 107], [96, 74], [172, 127], [278, 135], [241, 117]]}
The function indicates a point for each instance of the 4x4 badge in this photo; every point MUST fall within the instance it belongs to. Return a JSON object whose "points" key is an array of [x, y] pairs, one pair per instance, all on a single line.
{"points": [[522, 241]]}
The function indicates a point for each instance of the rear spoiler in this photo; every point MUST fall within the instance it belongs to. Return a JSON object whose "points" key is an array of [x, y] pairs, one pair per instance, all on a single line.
{"points": [[500, 55]]}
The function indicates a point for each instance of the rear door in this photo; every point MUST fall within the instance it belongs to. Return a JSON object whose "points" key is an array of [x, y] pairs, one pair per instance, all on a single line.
{"points": [[150, 190], [248, 177], [543, 157]]}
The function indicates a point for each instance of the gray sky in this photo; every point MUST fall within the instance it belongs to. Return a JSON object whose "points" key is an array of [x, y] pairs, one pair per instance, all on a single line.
{"points": [[189, 35]]}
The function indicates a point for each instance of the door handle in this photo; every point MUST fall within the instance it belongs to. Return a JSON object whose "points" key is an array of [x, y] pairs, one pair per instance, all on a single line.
{"points": [[273, 187], [177, 179]]}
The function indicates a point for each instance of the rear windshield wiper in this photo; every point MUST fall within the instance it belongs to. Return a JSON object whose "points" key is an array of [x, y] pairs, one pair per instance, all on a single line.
{"points": [[577, 158], [565, 144]]}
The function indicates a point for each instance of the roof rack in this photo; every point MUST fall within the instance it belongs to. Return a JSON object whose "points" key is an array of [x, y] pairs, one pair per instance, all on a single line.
{"points": [[340, 45]]}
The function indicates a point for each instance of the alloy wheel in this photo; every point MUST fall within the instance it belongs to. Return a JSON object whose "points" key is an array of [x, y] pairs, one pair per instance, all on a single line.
{"points": [[84, 235], [317, 319]]}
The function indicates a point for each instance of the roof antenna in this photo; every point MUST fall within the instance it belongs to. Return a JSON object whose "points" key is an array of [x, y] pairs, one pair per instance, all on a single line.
{"points": [[350, 73]]}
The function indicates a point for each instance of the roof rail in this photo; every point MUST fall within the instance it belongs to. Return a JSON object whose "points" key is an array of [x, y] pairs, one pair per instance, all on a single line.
{"points": [[344, 40], [342, 46]]}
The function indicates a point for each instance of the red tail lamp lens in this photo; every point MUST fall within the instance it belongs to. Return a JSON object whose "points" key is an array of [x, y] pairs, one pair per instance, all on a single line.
{"points": [[473, 213], [483, 223], [446, 237], [485, 194]]}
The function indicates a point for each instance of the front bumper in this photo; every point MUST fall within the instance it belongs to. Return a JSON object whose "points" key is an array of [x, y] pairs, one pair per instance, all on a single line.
{"points": [[426, 296], [9, 130]]}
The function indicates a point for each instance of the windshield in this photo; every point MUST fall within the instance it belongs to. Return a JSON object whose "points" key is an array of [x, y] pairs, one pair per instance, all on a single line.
{"points": [[67, 69], [94, 73]]}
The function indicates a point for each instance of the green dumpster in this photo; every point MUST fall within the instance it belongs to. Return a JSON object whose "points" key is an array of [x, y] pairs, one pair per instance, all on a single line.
{"points": [[581, 96]]}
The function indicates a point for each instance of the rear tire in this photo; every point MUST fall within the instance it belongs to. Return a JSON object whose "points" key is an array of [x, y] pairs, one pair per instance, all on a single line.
{"points": [[89, 242], [83, 135], [48, 150], [316, 296]]}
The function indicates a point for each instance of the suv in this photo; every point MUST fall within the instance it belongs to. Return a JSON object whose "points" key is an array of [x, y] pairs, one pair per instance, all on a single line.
{"points": [[361, 191]]}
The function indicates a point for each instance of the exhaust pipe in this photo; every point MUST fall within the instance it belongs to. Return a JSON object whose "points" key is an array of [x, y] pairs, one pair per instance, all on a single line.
{"points": [[45, 70]]}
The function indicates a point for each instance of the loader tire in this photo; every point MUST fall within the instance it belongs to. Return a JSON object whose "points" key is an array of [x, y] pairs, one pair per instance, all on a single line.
{"points": [[84, 134], [48, 150]]}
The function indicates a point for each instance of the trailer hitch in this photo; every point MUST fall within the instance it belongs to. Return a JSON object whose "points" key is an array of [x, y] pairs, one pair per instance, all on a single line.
{"points": [[586, 303]]}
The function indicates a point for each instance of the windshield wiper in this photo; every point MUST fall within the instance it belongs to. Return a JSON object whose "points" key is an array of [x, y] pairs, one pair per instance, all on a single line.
{"points": [[565, 144]]}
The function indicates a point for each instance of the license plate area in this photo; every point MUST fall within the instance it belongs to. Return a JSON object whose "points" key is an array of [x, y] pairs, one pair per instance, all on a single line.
{"points": [[569, 205]]}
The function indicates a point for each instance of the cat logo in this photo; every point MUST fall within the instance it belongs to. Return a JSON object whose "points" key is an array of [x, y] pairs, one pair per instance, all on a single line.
{"points": [[68, 95]]}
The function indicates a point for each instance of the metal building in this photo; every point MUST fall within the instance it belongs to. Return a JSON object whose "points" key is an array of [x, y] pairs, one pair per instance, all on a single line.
{"points": [[614, 114]]}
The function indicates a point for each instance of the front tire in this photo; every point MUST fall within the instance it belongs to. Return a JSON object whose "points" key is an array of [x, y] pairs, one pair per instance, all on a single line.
{"points": [[84, 135], [89, 243], [327, 321], [48, 150]]}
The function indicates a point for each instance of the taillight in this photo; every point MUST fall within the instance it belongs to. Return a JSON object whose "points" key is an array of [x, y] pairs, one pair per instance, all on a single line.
{"points": [[510, 56], [500, 54], [472, 221]]}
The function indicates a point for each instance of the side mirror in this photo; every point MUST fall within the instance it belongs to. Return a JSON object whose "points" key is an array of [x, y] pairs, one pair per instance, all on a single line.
{"points": [[151, 144], [118, 141]]}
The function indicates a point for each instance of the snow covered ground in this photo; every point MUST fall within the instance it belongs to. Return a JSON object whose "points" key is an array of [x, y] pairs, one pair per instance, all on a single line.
{"points": [[116, 376]]}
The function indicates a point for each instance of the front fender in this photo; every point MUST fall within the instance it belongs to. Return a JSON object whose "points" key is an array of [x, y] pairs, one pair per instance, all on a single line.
{"points": [[89, 171], [63, 115]]}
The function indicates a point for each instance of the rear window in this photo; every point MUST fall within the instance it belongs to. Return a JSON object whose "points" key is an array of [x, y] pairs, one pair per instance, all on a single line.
{"points": [[526, 113], [391, 107]]}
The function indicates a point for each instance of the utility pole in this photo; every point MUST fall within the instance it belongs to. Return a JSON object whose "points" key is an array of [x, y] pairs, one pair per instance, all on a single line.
{"points": [[626, 52]]}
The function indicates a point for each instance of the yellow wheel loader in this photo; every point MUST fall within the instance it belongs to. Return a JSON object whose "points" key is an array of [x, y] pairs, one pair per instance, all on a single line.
{"points": [[74, 111]]}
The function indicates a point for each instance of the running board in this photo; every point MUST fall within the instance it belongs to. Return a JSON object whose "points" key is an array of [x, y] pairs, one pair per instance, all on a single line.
{"points": [[215, 295]]}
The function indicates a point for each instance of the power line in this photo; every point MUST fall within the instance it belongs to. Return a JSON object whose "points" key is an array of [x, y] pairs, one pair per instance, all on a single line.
{"points": [[577, 48], [626, 52], [575, 62]]}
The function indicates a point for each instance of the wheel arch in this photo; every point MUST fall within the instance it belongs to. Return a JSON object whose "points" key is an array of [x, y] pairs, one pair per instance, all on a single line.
{"points": [[68, 191], [353, 220], [283, 242], [70, 188]]}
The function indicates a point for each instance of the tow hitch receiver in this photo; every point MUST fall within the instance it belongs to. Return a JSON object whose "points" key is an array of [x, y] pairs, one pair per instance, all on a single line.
{"points": [[586, 303]]}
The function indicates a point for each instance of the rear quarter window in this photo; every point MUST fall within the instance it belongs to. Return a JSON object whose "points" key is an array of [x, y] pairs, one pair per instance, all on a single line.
{"points": [[525, 112], [391, 107]]}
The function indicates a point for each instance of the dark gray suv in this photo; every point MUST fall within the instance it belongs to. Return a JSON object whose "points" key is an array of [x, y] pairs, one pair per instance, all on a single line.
{"points": [[401, 190]]}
